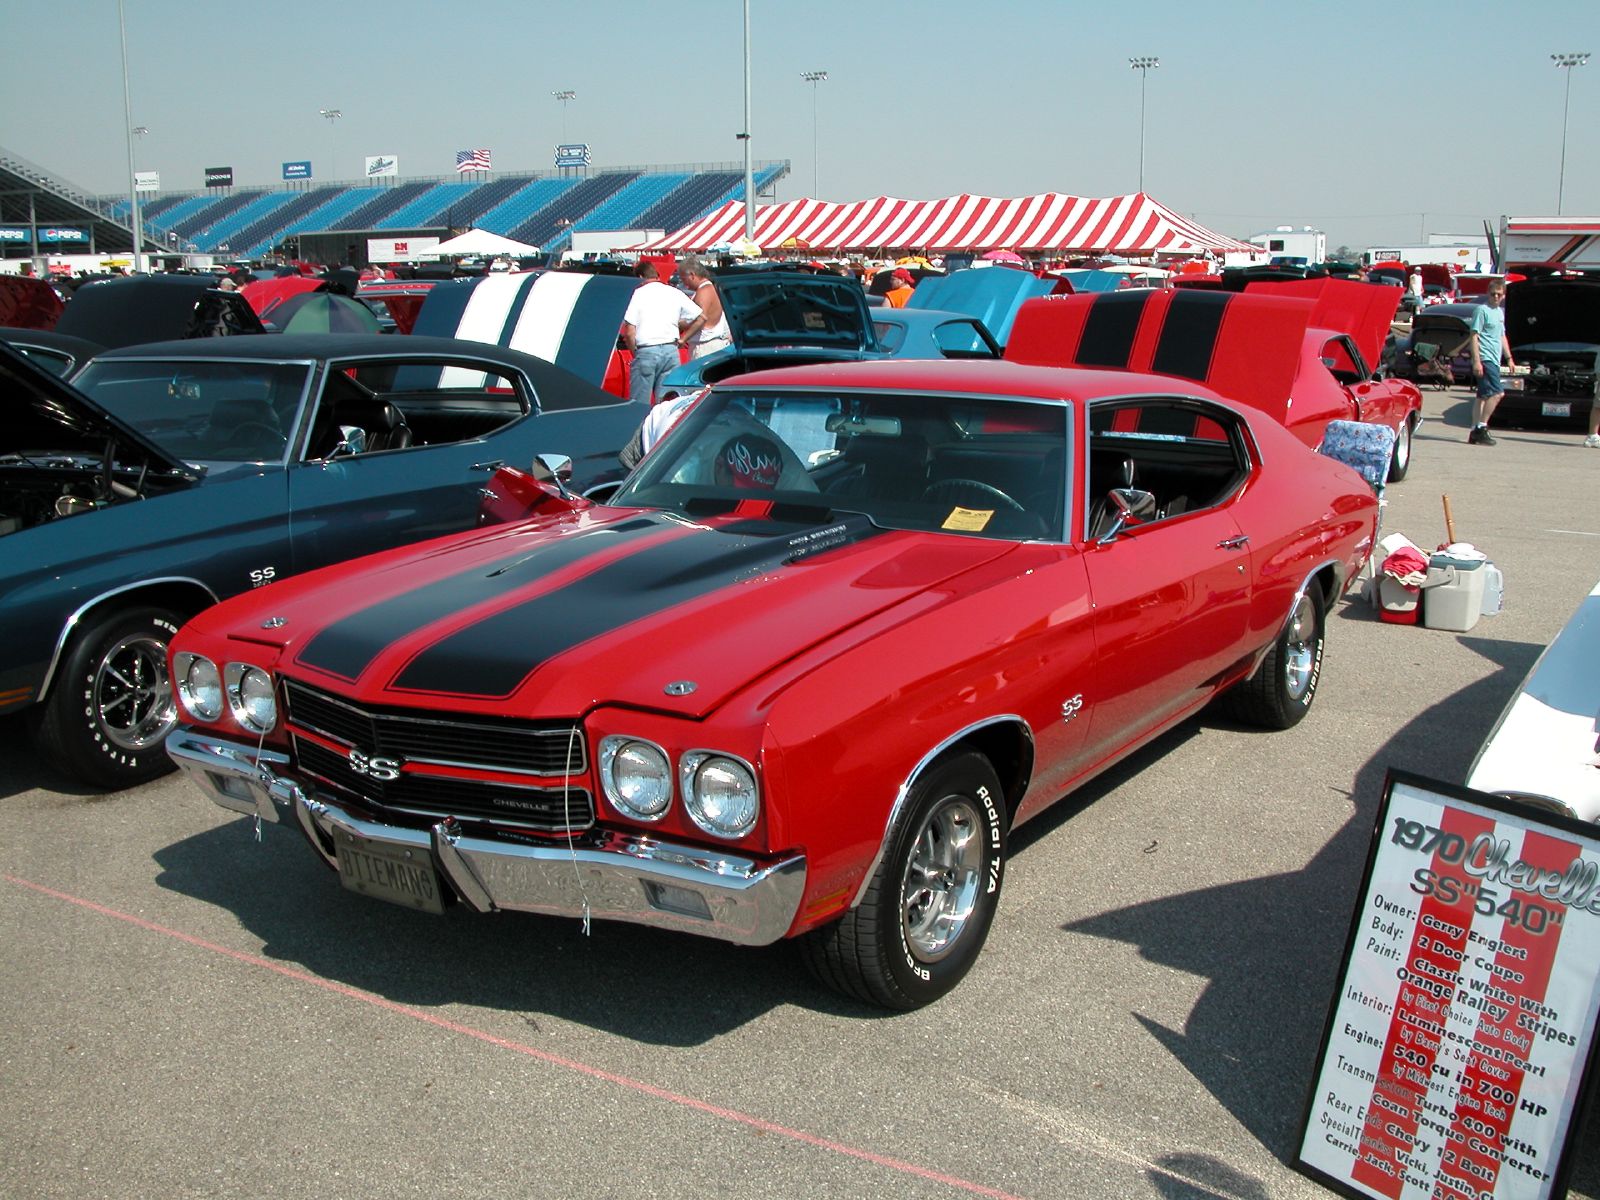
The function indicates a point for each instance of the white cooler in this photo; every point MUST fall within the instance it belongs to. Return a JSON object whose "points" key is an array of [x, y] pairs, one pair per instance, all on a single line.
{"points": [[1453, 594]]}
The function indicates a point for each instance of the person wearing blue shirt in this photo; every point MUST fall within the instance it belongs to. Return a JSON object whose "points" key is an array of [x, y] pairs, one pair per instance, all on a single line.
{"points": [[1489, 324]]}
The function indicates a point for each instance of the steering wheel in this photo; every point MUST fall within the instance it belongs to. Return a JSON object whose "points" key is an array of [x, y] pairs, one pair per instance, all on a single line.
{"points": [[248, 436], [954, 490]]}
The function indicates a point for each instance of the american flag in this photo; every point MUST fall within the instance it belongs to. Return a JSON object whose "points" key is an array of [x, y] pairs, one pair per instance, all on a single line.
{"points": [[473, 160]]}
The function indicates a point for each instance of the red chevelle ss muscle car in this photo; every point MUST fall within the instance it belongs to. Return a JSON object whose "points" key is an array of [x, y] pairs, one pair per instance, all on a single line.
{"points": [[840, 632]]}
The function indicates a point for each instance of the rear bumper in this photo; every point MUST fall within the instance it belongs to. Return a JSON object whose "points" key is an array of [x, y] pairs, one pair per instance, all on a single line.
{"points": [[622, 877]]}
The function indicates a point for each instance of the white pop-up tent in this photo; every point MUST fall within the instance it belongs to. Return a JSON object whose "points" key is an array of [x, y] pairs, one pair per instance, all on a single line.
{"points": [[480, 242]]}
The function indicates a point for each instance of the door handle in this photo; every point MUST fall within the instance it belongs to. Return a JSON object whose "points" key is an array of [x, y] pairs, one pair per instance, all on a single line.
{"points": [[1233, 543], [489, 466]]}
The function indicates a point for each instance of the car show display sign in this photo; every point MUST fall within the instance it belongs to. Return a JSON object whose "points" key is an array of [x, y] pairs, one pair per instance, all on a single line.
{"points": [[1458, 1046], [297, 170], [147, 181], [219, 176], [382, 164]]}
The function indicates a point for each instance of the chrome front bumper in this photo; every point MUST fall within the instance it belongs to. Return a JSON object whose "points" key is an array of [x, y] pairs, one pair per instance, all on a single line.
{"points": [[626, 877]]}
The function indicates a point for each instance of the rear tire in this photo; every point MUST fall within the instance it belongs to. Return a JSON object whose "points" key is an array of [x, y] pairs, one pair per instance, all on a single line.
{"points": [[1400, 463], [1280, 693], [107, 716], [924, 918]]}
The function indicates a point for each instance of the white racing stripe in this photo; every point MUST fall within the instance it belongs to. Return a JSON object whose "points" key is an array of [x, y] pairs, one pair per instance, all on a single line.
{"points": [[482, 321], [543, 323]]}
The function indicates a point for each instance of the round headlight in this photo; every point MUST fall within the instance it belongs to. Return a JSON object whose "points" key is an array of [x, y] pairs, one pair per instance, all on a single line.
{"points": [[720, 793], [636, 776], [251, 698], [199, 685]]}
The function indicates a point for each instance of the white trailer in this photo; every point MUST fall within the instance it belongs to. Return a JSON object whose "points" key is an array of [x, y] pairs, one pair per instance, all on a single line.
{"points": [[1460, 257], [1304, 246], [1570, 241]]}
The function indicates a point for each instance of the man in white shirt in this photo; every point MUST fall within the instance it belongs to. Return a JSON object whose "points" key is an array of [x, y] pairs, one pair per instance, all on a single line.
{"points": [[659, 321]]}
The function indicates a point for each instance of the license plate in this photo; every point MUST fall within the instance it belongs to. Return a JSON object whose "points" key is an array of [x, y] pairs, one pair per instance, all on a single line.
{"points": [[1552, 408], [393, 873]]}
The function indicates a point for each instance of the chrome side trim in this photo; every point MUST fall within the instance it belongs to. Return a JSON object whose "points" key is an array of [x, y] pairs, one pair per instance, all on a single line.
{"points": [[77, 615], [617, 876], [905, 788]]}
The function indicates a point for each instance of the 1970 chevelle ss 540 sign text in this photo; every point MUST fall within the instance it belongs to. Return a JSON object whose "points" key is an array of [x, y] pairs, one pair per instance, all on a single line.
{"points": [[840, 632]]}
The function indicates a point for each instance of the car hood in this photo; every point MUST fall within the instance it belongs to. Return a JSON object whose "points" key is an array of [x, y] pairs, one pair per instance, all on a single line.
{"points": [[565, 317], [1344, 306], [767, 309], [155, 308], [611, 605], [46, 414], [992, 294], [27, 303], [1243, 345], [1552, 311]]}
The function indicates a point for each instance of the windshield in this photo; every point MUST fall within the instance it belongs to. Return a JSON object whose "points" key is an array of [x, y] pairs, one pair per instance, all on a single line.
{"points": [[965, 465], [203, 411]]}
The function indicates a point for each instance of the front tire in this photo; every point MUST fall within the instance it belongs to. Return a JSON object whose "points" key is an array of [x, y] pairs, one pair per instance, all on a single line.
{"points": [[1400, 462], [1280, 693], [107, 717], [924, 918]]}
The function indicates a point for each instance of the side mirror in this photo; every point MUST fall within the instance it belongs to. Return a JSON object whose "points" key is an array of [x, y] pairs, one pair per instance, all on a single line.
{"points": [[554, 469], [1132, 507], [352, 440]]}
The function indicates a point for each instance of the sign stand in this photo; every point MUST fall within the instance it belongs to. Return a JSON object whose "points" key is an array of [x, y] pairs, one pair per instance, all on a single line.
{"points": [[1458, 1050]]}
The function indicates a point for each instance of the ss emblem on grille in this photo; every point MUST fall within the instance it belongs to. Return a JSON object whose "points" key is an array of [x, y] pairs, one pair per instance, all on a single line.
{"points": [[374, 767]]}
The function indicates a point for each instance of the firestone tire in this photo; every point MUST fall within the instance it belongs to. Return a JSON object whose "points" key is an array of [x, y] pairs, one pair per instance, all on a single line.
{"points": [[1280, 693], [108, 714], [1400, 463], [923, 920]]}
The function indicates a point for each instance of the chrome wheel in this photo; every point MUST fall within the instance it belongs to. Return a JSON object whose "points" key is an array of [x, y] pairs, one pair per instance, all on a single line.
{"points": [[131, 696], [943, 873], [1300, 647]]}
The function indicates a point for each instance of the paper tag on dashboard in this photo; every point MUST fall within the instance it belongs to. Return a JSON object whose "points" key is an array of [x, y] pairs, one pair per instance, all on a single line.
{"points": [[968, 520]]}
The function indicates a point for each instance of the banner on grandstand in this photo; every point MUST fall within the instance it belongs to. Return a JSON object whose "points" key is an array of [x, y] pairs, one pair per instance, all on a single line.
{"points": [[1457, 1047], [574, 155], [54, 234], [219, 176], [297, 170], [147, 181], [406, 249], [472, 160], [382, 164], [15, 233]]}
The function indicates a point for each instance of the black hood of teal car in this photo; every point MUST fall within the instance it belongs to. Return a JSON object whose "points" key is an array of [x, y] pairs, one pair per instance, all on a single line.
{"points": [[43, 414], [1545, 311], [769, 309]]}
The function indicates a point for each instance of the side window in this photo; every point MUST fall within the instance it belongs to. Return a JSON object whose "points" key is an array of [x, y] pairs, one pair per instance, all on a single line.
{"points": [[1186, 454], [1339, 359], [962, 339], [396, 404]]}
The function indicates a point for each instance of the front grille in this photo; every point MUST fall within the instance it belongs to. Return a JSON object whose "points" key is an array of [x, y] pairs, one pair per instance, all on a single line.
{"points": [[551, 748], [550, 810], [419, 740]]}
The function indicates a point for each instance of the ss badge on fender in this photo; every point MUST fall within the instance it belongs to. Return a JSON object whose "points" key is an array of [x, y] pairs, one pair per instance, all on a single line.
{"points": [[1070, 708]]}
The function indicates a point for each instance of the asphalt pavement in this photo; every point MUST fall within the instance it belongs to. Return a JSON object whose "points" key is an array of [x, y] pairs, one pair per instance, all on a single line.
{"points": [[188, 1011]]}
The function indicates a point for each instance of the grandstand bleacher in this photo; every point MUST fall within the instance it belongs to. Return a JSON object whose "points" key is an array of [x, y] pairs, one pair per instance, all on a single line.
{"points": [[250, 222]]}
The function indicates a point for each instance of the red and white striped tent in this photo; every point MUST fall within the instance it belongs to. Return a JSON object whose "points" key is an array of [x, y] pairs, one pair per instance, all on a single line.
{"points": [[1131, 225]]}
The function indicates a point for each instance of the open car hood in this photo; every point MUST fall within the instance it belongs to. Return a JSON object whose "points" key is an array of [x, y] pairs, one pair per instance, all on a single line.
{"points": [[566, 317], [43, 414], [155, 308], [992, 294], [771, 309], [1361, 310], [1552, 310], [1246, 346]]}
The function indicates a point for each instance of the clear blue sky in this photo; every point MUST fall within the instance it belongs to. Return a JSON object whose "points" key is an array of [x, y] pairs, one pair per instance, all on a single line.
{"points": [[1372, 121]]}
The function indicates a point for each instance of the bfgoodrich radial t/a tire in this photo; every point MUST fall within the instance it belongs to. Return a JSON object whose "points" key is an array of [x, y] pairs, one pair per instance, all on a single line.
{"points": [[926, 913], [110, 709], [1280, 693]]}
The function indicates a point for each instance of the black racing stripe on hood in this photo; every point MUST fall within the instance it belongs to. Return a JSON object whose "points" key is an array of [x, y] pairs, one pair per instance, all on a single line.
{"points": [[492, 658], [349, 645], [1189, 334], [1109, 330]]}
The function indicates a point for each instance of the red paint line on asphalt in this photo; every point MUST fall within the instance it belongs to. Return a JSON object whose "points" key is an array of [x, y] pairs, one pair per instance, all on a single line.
{"points": [[556, 1060]]}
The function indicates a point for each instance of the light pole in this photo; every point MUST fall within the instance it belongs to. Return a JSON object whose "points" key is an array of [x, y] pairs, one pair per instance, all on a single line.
{"points": [[814, 78], [1567, 62], [749, 167], [127, 114], [332, 114], [566, 97], [1143, 65]]}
